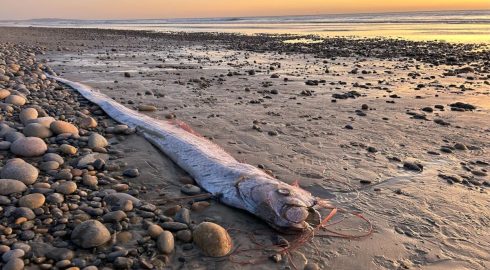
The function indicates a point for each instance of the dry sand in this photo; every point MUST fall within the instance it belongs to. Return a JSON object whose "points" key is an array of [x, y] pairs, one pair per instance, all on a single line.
{"points": [[295, 130]]}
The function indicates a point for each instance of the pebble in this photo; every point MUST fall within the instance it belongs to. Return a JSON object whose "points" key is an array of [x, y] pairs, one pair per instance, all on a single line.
{"points": [[13, 136], [184, 236], [312, 266], [62, 264], [200, 206], [29, 147], [24, 212], [16, 100], [4, 93], [5, 145], [89, 180], [131, 173], [84, 161], [124, 237], [120, 129], [32, 201], [49, 166], [61, 127], [88, 122], [12, 254], [45, 121], [60, 254], [147, 108], [165, 242], [183, 216], [115, 216], [154, 230], [18, 169], [67, 187], [68, 149], [460, 146], [55, 198], [28, 114], [412, 166], [90, 233], [10, 186], [53, 157], [14, 264], [212, 239], [190, 189], [4, 248], [123, 263], [174, 226], [96, 140], [37, 130], [120, 199]]}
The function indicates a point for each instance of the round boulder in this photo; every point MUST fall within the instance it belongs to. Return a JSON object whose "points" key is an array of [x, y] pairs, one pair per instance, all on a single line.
{"points": [[4, 93], [67, 187], [90, 233], [60, 127], [32, 201], [154, 230], [96, 140], [16, 100], [5, 145], [212, 239], [28, 114], [37, 130], [45, 121], [10, 186], [166, 242], [13, 136], [53, 157], [29, 147], [68, 149], [88, 122], [14, 264], [118, 200], [18, 169]]}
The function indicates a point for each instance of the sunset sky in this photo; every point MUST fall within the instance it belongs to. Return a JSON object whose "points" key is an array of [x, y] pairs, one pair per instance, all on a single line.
{"points": [[141, 9]]}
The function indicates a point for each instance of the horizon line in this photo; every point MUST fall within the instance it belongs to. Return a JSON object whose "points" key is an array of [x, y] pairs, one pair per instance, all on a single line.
{"points": [[251, 16]]}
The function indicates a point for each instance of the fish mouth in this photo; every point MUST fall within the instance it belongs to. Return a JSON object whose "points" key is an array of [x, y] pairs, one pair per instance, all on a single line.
{"points": [[299, 219]]}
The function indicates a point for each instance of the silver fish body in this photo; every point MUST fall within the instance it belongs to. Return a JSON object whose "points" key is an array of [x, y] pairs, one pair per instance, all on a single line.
{"points": [[236, 184]]}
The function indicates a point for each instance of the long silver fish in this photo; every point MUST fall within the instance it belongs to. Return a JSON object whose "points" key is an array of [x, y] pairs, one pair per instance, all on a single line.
{"points": [[285, 207]]}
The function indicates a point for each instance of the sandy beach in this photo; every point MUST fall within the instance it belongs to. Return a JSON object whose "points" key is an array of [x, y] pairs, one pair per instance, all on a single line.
{"points": [[398, 131]]}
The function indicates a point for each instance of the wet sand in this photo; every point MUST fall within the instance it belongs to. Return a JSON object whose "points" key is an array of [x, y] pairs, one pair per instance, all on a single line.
{"points": [[350, 120]]}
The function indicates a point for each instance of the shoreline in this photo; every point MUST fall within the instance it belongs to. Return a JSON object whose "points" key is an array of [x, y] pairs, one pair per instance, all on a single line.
{"points": [[282, 117], [395, 47], [443, 25]]}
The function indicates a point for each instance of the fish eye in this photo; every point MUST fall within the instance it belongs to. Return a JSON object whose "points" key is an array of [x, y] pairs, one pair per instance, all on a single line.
{"points": [[284, 191]]}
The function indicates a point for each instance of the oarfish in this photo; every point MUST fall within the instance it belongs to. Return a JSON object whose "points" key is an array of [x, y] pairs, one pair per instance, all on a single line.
{"points": [[285, 207]]}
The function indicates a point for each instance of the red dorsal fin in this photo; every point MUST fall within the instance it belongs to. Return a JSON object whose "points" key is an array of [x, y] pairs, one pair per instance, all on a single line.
{"points": [[184, 126]]}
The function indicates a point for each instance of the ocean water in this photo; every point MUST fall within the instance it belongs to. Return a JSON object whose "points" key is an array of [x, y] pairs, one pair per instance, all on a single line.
{"points": [[451, 26]]}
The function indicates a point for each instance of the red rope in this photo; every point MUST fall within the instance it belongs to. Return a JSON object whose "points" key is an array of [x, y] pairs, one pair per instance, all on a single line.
{"points": [[299, 241]]}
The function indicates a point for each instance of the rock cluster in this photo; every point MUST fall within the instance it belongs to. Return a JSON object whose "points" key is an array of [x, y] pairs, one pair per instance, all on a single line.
{"points": [[65, 199]]}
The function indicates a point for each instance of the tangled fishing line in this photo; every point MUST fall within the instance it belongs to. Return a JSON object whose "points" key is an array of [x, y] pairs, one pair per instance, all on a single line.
{"points": [[320, 230]]}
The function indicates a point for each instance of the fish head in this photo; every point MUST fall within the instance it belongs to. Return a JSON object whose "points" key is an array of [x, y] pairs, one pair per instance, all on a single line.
{"points": [[286, 208]]}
